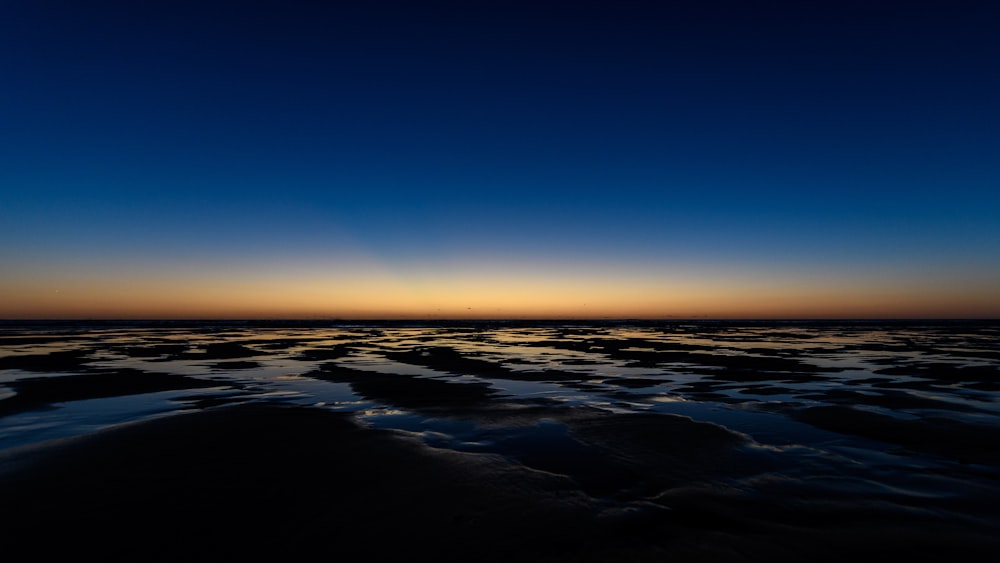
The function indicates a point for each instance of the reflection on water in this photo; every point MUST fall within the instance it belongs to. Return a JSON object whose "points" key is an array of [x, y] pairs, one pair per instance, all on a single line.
{"points": [[907, 372], [898, 411]]}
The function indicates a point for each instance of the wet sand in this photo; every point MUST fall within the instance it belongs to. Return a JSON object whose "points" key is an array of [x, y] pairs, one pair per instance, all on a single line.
{"points": [[297, 483], [539, 444], [283, 482]]}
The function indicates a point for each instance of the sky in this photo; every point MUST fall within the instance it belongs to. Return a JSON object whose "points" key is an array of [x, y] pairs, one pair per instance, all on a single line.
{"points": [[499, 159]]}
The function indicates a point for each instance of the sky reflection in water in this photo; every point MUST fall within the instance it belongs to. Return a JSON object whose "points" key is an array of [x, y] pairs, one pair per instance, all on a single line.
{"points": [[897, 411]]}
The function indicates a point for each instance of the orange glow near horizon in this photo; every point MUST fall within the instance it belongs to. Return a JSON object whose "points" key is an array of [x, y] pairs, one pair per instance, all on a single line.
{"points": [[499, 293]]}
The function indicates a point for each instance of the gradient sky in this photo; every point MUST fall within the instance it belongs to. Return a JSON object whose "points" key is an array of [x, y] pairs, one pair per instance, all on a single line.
{"points": [[497, 158]]}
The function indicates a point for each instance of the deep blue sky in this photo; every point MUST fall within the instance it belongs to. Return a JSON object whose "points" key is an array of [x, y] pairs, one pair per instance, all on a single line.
{"points": [[757, 140]]}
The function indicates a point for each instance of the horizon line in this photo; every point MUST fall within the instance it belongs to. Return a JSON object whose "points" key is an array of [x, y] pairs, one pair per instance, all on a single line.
{"points": [[300, 320]]}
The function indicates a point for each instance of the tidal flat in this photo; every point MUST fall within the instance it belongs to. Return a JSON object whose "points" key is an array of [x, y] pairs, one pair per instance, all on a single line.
{"points": [[500, 441]]}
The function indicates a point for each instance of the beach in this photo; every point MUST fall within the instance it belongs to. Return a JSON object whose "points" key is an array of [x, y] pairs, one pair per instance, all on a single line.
{"points": [[615, 442]]}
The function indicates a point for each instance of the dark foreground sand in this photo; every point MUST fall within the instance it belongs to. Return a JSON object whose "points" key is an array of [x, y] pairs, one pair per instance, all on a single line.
{"points": [[294, 483], [282, 482]]}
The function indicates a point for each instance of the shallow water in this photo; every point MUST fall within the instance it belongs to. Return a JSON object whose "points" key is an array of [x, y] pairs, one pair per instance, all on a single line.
{"points": [[714, 372], [902, 417]]}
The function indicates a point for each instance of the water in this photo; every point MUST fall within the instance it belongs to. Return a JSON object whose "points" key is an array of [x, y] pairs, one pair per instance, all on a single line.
{"points": [[905, 415]]}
